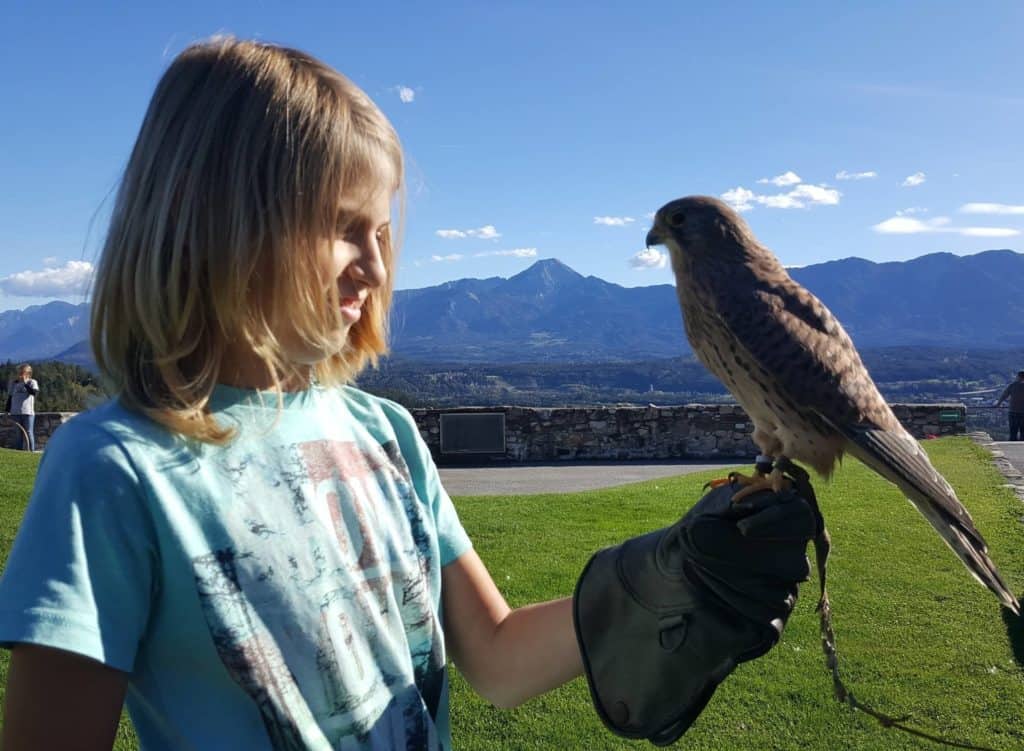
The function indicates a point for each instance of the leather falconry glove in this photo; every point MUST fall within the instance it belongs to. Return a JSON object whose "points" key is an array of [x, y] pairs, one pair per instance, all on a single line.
{"points": [[663, 618]]}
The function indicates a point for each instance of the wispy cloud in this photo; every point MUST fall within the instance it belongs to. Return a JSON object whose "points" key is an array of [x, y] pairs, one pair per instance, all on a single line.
{"points": [[783, 180], [992, 208], [912, 181], [487, 232], [740, 198], [911, 210], [844, 175], [650, 258], [905, 225], [514, 252], [50, 261], [613, 221], [802, 196], [59, 281], [447, 258], [406, 93]]}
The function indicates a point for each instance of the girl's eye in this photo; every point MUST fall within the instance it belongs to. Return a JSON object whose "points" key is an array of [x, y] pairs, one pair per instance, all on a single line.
{"points": [[350, 232]]}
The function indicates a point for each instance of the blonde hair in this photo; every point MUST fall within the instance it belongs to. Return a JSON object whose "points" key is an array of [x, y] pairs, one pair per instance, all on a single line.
{"points": [[233, 184]]}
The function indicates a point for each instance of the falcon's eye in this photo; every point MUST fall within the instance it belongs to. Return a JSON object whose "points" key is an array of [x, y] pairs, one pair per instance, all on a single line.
{"points": [[678, 219]]}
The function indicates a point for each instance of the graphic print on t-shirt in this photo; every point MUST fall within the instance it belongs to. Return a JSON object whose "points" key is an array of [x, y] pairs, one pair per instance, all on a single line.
{"points": [[320, 609]]}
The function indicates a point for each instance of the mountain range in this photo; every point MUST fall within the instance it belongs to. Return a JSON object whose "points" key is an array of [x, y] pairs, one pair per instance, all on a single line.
{"points": [[549, 312]]}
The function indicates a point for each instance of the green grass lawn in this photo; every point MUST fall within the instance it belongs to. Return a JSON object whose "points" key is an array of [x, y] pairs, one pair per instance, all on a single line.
{"points": [[917, 635]]}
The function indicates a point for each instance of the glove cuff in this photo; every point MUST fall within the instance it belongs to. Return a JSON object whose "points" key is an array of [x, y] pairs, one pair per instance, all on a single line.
{"points": [[648, 656]]}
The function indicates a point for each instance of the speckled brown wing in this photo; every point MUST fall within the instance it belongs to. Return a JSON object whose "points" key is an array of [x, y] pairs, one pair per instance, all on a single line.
{"points": [[797, 346]]}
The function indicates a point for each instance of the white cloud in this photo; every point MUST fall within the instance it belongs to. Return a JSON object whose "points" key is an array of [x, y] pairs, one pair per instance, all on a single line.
{"points": [[405, 93], [991, 208], [447, 258], [905, 225], [844, 175], [800, 197], [650, 258], [780, 201], [817, 194], [515, 252], [911, 210], [989, 232], [487, 232], [902, 225], [912, 181], [50, 261], [59, 281], [783, 180], [740, 198], [613, 221]]}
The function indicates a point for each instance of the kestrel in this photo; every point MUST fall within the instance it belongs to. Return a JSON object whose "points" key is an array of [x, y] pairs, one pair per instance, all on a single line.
{"points": [[795, 371]]}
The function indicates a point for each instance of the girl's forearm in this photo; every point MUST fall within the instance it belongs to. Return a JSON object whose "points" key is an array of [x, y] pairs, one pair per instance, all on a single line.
{"points": [[534, 651]]}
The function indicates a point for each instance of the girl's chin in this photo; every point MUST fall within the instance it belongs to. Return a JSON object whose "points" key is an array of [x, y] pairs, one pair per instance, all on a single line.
{"points": [[307, 355]]}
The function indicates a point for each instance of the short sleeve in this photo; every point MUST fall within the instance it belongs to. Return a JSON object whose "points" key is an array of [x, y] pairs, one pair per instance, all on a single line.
{"points": [[452, 538], [81, 573]]}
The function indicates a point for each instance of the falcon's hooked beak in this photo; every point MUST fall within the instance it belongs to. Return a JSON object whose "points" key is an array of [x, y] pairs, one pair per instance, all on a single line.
{"points": [[654, 237]]}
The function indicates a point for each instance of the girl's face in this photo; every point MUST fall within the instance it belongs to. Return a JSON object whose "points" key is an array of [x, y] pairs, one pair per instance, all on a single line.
{"points": [[353, 265]]}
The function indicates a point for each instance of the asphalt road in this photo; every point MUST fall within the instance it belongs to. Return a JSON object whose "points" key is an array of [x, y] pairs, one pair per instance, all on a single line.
{"points": [[1013, 451], [528, 479]]}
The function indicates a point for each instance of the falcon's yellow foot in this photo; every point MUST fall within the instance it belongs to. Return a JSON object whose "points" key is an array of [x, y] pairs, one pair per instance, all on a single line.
{"points": [[733, 477], [774, 482], [741, 479], [715, 484]]}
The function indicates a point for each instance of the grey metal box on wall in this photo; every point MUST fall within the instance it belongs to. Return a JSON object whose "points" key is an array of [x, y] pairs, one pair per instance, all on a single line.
{"points": [[473, 433]]}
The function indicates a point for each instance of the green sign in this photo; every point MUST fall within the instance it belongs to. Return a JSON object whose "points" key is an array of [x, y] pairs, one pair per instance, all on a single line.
{"points": [[949, 415]]}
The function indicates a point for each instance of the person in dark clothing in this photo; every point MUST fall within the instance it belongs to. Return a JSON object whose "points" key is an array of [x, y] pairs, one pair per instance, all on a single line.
{"points": [[1015, 393]]}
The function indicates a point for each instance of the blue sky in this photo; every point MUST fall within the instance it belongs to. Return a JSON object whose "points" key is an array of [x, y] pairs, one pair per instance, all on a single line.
{"points": [[553, 130]]}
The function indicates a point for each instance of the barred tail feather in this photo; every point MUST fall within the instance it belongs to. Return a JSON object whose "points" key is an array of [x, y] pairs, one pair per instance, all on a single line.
{"points": [[901, 460]]}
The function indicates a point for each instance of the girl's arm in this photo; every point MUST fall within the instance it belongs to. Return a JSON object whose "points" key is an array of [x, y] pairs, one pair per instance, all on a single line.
{"points": [[508, 656], [60, 700]]}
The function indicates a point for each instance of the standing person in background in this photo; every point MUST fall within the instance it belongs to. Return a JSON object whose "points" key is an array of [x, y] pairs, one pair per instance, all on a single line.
{"points": [[1015, 393], [23, 390]]}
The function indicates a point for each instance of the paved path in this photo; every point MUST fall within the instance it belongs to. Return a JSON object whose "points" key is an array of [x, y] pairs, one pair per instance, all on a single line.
{"points": [[1013, 451], [564, 477], [1009, 460]]}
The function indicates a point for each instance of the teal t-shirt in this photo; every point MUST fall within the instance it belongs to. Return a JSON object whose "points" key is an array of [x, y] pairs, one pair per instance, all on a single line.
{"points": [[280, 592]]}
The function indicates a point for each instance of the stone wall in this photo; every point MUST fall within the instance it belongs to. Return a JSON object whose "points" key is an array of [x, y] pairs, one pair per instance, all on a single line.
{"points": [[692, 431], [46, 423]]}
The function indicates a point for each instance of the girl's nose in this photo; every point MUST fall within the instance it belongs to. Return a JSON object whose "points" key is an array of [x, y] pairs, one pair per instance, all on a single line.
{"points": [[369, 269]]}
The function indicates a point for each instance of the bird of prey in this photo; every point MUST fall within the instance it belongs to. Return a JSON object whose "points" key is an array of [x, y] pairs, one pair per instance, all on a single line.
{"points": [[795, 371]]}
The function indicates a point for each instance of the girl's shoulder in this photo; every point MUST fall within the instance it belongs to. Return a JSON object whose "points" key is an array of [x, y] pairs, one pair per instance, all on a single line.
{"points": [[366, 405], [106, 426]]}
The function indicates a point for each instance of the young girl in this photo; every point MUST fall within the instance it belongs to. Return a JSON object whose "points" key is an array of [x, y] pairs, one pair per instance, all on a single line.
{"points": [[23, 391], [258, 555]]}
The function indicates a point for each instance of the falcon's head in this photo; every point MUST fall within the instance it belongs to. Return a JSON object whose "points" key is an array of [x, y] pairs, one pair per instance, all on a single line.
{"points": [[701, 229]]}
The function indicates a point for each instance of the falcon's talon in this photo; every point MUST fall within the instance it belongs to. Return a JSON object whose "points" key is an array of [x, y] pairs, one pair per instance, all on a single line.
{"points": [[756, 486], [717, 483], [741, 479], [779, 481]]}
